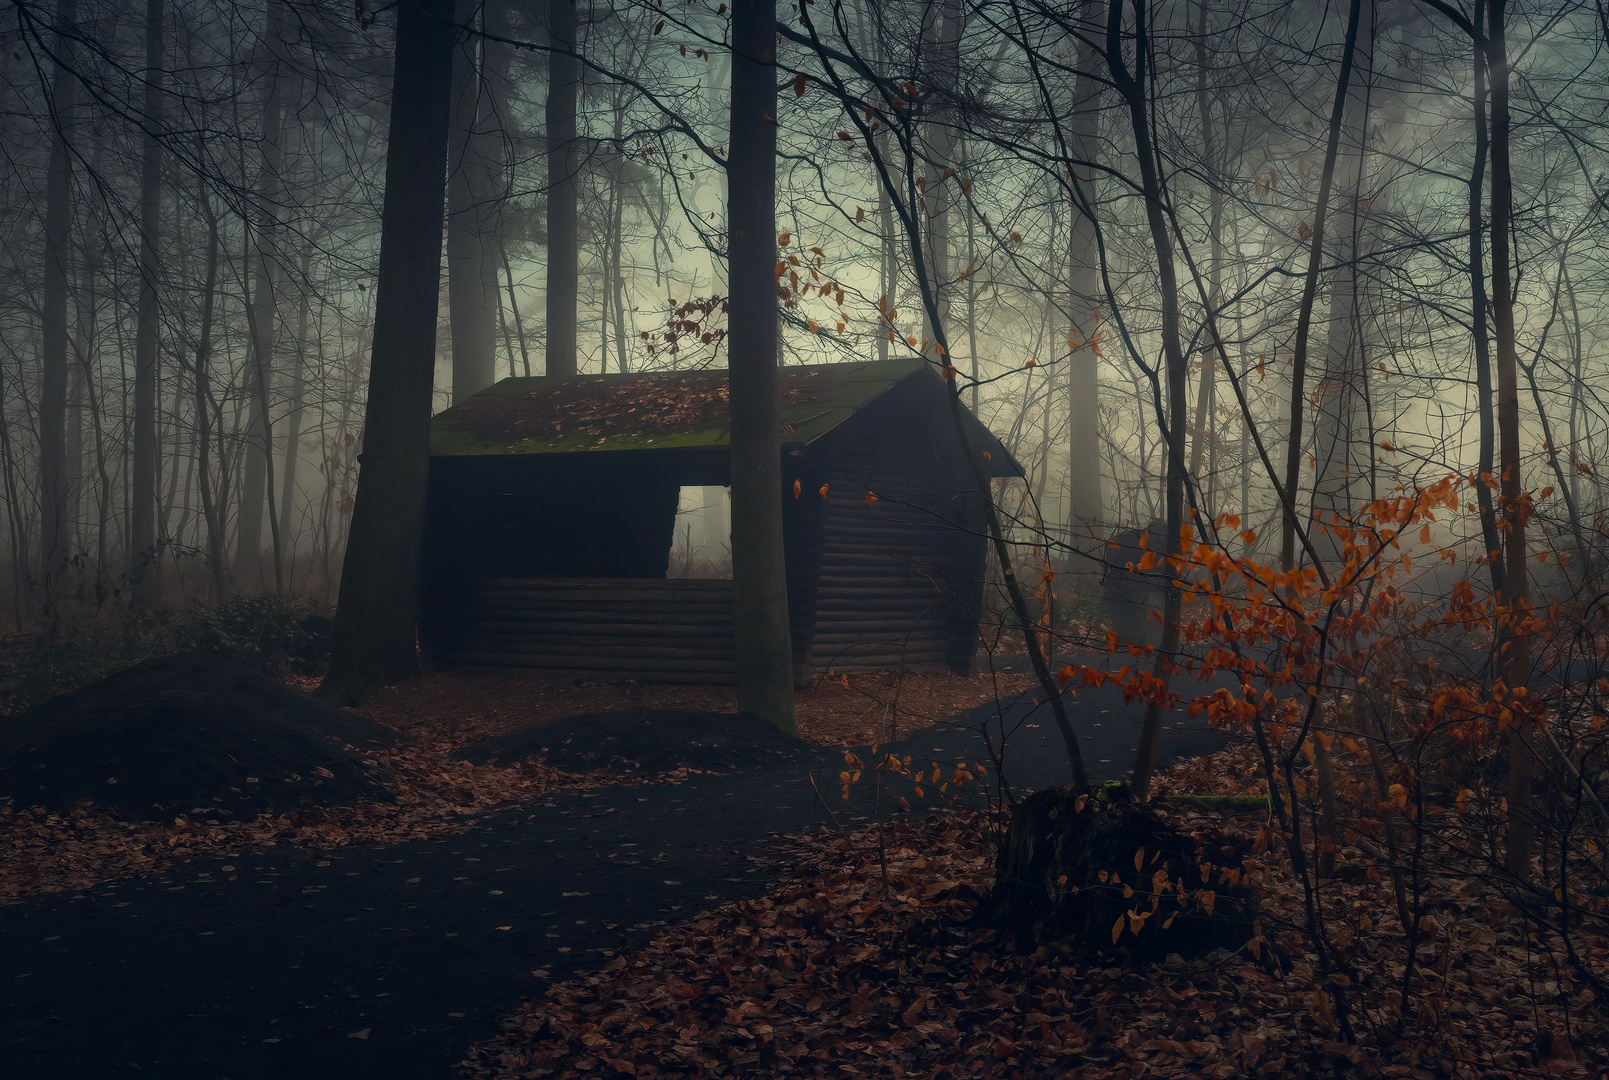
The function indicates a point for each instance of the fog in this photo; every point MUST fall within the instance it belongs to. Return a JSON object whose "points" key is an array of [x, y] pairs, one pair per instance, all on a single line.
{"points": [[192, 205]]}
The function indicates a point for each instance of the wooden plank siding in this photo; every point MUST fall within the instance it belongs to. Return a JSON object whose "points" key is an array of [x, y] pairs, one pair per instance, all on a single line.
{"points": [[895, 574], [665, 630]]}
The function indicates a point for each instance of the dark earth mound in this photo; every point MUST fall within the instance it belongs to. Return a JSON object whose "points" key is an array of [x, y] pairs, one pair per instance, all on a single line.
{"points": [[181, 734], [647, 740]]}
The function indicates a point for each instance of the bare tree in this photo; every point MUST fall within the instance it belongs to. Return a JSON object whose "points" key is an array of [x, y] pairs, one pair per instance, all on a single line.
{"points": [[53, 449], [563, 210], [144, 464], [474, 147]]}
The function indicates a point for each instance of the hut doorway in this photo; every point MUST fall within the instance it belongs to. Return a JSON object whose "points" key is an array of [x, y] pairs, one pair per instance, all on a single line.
{"points": [[701, 546]]}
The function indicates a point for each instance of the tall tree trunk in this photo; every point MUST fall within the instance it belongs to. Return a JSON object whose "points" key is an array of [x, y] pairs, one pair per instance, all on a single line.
{"points": [[53, 478], [471, 205], [1304, 314], [263, 316], [887, 256], [972, 285], [92, 408], [514, 309], [1086, 499], [562, 211], [1479, 307], [1515, 499], [759, 578], [143, 466], [1336, 470], [1576, 408], [616, 285], [11, 483], [1132, 86], [293, 421], [211, 512], [374, 641], [939, 136], [1206, 397]]}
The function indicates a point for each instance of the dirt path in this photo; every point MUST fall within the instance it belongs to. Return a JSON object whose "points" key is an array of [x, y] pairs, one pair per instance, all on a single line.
{"points": [[389, 962]]}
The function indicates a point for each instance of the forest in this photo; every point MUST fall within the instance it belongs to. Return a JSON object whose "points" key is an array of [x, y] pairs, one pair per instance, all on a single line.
{"points": [[512, 423]]}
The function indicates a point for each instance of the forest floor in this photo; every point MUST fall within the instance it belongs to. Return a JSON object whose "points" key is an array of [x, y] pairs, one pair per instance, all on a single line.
{"points": [[672, 891]]}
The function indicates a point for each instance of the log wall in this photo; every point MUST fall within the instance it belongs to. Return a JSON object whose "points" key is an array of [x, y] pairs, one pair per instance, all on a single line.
{"points": [[896, 571], [666, 630]]}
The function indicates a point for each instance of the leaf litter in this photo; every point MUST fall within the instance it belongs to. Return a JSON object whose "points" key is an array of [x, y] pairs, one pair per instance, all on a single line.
{"points": [[422, 790], [841, 971]]}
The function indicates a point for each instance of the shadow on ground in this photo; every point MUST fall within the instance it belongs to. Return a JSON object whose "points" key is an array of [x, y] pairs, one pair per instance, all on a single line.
{"points": [[389, 962]]}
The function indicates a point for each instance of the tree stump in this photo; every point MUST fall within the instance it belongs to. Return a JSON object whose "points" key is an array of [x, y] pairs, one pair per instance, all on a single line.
{"points": [[1115, 880]]}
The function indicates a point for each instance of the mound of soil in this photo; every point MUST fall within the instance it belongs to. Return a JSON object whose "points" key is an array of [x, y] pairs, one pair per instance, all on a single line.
{"points": [[183, 734], [644, 740]]}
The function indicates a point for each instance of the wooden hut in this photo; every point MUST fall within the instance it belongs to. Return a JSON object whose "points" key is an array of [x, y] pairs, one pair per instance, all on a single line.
{"points": [[552, 506]]}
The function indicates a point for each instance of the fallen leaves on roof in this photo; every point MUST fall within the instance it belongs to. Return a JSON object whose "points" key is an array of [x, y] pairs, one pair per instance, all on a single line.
{"points": [[572, 411]]}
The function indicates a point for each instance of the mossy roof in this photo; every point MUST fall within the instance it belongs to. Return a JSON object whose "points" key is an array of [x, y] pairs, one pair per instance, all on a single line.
{"points": [[656, 410]]}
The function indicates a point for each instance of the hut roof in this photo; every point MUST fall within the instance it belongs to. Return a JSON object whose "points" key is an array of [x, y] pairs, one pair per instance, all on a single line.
{"points": [[664, 410]]}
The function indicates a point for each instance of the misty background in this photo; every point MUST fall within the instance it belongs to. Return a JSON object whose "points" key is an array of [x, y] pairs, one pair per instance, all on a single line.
{"points": [[191, 211]]}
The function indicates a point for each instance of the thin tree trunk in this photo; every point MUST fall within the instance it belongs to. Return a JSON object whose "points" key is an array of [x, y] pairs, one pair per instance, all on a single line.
{"points": [[514, 309], [53, 479], [605, 288], [21, 607], [1340, 382], [502, 326], [293, 422], [1576, 355], [73, 536], [1086, 497], [471, 276], [972, 284], [1132, 86], [375, 642], [1515, 499], [759, 579], [172, 459], [143, 466], [1207, 394], [939, 135], [263, 315], [1304, 314], [1479, 305], [103, 489], [616, 285], [563, 209], [217, 569]]}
